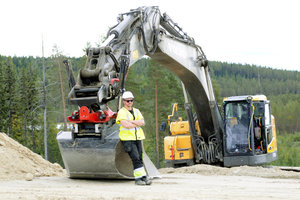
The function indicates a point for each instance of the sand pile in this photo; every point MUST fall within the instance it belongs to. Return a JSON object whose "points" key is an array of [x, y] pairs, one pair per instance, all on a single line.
{"points": [[257, 171], [18, 162]]}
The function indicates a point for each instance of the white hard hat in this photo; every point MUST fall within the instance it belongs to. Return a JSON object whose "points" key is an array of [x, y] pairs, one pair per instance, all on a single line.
{"points": [[127, 95]]}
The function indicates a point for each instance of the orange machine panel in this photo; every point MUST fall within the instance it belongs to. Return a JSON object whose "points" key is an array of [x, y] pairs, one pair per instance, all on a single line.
{"points": [[179, 127], [178, 147]]}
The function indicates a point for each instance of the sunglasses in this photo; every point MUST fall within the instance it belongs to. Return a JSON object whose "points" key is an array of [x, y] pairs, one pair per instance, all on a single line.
{"points": [[128, 101]]}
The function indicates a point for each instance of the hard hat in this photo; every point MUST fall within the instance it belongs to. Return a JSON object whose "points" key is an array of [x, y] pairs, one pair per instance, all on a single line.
{"points": [[127, 95]]}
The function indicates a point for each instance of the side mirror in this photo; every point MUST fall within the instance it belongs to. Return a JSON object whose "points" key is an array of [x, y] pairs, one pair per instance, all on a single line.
{"points": [[163, 126]]}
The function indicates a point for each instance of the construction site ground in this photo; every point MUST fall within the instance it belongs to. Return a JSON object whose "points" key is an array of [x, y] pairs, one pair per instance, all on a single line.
{"points": [[26, 175], [170, 186]]}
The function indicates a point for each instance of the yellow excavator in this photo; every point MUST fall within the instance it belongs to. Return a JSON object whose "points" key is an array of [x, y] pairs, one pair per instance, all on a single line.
{"points": [[93, 148], [249, 135]]}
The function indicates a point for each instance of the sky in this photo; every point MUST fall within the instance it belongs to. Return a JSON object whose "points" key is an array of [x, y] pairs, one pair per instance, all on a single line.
{"points": [[260, 32]]}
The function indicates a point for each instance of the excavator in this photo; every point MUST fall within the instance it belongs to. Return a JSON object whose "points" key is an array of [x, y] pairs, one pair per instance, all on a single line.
{"points": [[93, 149], [249, 136]]}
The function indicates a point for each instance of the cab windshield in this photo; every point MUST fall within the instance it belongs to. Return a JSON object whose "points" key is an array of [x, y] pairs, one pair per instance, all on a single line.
{"points": [[237, 121]]}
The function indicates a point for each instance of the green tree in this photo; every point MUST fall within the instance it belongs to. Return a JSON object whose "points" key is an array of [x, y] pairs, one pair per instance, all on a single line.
{"points": [[9, 95], [28, 106]]}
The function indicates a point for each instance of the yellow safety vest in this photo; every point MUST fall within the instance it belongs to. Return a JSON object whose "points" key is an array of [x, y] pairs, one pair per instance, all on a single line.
{"points": [[133, 133]]}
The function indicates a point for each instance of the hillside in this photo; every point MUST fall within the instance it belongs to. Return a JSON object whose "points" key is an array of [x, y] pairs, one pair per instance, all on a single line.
{"points": [[238, 79], [282, 87], [21, 104]]}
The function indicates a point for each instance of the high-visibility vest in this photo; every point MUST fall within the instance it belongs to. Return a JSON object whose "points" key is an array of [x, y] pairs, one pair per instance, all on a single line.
{"points": [[133, 133]]}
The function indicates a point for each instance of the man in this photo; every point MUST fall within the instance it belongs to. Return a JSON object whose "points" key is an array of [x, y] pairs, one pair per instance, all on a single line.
{"points": [[131, 134]]}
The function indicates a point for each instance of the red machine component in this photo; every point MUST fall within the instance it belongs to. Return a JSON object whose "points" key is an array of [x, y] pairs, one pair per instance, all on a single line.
{"points": [[114, 80], [84, 115], [172, 152]]}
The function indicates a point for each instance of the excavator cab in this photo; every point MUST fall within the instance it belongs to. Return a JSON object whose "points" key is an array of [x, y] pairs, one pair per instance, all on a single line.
{"points": [[250, 135], [237, 127]]}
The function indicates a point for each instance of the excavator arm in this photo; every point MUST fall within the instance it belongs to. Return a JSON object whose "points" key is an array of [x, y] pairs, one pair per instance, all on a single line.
{"points": [[134, 36], [144, 31]]}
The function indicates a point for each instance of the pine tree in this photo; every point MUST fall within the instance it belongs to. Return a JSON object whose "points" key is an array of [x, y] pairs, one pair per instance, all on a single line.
{"points": [[9, 93]]}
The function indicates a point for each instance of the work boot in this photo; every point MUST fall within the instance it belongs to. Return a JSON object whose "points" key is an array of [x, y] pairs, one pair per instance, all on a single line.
{"points": [[140, 182], [146, 180]]}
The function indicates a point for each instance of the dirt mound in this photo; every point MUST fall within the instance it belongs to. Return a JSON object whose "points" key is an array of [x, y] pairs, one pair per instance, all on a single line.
{"points": [[18, 162], [257, 171]]}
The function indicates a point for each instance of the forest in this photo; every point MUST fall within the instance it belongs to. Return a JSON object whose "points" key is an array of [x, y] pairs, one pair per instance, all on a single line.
{"points": [[24, 96]]}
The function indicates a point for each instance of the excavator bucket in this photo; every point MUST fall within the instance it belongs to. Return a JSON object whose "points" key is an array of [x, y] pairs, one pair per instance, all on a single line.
{"points": [[93, 157]]}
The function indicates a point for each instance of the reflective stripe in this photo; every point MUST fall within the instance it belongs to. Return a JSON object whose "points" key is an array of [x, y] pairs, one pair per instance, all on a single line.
{"points": [[128, 117], [136, 114], [139, 172], [131, 129]]}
